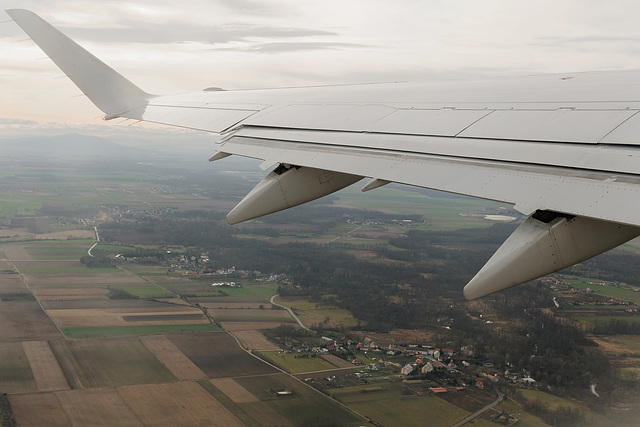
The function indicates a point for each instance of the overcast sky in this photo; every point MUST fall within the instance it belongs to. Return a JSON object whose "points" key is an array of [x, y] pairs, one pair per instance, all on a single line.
{"points": [[172, 47]]}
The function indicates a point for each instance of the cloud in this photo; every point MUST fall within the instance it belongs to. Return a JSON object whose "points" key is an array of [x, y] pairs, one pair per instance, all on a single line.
{"points": [[177, 32], [277, 47], [5, 121], [587, 39]]}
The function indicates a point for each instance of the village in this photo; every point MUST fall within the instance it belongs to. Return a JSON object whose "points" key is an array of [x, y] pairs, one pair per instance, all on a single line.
{"points": [[440, 370]]}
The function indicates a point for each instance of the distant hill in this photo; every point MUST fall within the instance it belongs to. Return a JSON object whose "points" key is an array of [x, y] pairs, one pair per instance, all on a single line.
{"points": [[75, 147]]}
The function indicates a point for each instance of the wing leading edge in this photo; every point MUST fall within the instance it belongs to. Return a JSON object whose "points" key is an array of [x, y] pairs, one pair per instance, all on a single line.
{"points": [[563, 149]]}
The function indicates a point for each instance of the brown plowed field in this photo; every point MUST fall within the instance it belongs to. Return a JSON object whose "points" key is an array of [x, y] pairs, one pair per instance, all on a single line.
{"points": [[262, 412], [132, 305], [111, 362], [71, 294], [165, 315], [218, 354], [233, 390], [12, 283], [249, 403], [237, 305], [97, 407], [15, 372], [82, 280], [171, 357], [40, 409], [44, 365], [183, 403], [25, 320], [15, 252], [254, 340], [245, 326]]}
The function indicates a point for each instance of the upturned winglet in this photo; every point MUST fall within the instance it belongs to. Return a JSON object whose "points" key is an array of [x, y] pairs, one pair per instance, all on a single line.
{"points": [[107, 89]]}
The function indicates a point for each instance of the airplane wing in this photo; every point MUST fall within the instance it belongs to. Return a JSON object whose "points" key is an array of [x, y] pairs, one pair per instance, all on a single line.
{"points": [[563, 149]]}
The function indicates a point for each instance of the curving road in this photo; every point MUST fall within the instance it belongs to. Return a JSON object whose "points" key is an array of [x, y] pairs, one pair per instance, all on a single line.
{"points": [[290, 312], [481, 411]]}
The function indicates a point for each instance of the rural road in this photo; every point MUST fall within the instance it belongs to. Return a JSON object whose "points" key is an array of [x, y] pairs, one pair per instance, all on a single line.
{"points": [[97, 241], [481, 411], [289, 310]]}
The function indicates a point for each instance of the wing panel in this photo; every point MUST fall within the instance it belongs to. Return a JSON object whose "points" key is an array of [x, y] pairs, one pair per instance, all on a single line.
{"points": [[627, 133], [561, 125], [370, 118], [206, 119]]}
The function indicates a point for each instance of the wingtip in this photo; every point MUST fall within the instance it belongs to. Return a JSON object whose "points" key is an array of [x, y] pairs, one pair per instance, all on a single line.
{"points": [[12, 12]]}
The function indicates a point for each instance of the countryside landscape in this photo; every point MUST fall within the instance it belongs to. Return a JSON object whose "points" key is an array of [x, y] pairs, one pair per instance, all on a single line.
{"points": [[126, 299]]}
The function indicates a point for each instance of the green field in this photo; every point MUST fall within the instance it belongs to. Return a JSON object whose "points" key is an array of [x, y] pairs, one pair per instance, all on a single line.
{"points": [[554, 402], [631, 343], [624, 294], [389, 407], [312, 314], [296, 365], [251, 315], [120, 331], [9, 207], [305, 407], [592, 320], [630, 374], [112, 248], [441, 213], [147, 291], [147, 270], [61, 253], [515, 410], [264, 290]]}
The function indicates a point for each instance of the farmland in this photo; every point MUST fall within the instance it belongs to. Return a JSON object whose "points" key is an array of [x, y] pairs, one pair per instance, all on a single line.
{"points": [[15, 371], [183, 403], [145, 339], [295, 364], [304, 404], [113, 362], [315, 314], [218, 355]]}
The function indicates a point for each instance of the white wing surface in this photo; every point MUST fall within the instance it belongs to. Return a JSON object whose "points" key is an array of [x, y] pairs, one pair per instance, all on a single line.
{"points": [[563, 148]]}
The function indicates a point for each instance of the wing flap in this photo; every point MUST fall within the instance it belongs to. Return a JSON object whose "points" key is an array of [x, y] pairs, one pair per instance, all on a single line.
{"points": [[599, 157], [561, 125]]}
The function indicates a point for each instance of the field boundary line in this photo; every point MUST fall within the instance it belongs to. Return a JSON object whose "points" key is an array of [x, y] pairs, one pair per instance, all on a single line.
{"points": [[37, 299]]}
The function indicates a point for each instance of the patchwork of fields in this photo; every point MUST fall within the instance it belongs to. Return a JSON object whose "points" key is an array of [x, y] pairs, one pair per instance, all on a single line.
{"points": [[176, 351], [71, 355]]}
